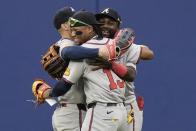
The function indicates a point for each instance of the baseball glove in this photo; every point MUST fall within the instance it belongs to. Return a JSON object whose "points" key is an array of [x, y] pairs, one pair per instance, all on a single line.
{"points": [[53, 63], [124, 39], [39, 87]]}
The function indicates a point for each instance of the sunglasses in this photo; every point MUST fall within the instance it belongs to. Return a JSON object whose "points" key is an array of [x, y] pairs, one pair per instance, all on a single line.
{"points": [[75, 23]]}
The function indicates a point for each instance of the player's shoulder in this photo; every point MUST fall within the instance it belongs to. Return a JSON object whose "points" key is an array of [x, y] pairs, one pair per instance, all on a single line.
{"points": [[65, 42], [134, 47], [96, 41], [132, 51]]}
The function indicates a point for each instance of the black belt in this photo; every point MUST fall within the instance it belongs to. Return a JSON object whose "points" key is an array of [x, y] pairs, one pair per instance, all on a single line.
{"points": [[62, 105], [91, 105], [80, 106]]}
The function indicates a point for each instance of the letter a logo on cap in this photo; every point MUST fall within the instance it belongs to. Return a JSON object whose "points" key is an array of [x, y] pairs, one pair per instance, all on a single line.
{"points": [[106, 11], [72, 9]]}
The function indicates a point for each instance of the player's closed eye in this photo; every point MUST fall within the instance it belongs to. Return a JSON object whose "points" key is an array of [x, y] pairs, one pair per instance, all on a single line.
{"points": [[76, 32]]}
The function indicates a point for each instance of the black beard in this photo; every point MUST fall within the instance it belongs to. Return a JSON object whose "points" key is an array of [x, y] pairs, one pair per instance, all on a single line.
{"points": [[111, 33]]}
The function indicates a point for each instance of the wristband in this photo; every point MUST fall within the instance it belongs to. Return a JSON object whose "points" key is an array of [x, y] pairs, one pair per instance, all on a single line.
{"points": [[119, 69]]}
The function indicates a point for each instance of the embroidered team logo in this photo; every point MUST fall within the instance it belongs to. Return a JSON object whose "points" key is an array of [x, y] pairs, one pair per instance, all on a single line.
{"points": [[106, 11], [72, 9], [67, 72]]}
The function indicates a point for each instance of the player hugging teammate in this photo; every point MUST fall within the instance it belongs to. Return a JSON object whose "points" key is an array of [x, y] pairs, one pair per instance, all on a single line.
{"points": [[95, 64]]}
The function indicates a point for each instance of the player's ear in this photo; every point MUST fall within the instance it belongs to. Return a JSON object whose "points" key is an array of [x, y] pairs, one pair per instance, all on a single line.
{"points": [[65, 26], [90, 29]]}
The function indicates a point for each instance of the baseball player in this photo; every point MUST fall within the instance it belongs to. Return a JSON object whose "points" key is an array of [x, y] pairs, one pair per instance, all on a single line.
{"points": [[70, 109], [111, 22], [103, 88], [69, 112]]}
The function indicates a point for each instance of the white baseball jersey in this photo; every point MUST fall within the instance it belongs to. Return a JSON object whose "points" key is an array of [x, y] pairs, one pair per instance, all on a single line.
{"points": [[64, 43], [101, 85], [76, 94], [69, 117], [136, 124], [132, 59]]}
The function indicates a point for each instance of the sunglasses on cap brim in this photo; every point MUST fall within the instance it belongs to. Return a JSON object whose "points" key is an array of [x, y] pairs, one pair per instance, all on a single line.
{"points": [[75, 23]]}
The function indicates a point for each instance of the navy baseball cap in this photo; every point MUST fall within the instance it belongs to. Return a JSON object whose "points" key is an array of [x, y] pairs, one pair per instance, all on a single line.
{"points": [[62, 15], [108, 12], [83, 18]]}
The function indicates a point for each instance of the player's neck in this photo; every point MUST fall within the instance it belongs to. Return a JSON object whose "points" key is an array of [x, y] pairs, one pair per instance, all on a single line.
{"points": [[92, 35]]}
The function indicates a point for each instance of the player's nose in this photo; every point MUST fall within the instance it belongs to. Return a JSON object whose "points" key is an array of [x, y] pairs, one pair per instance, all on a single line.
{"points": [[73, 33]]}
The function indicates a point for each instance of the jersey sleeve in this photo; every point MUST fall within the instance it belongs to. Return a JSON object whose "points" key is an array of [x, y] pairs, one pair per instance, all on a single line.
{"points": [[64, 43], [74, 71], [133, 55], [68, 50], [78, 52]]}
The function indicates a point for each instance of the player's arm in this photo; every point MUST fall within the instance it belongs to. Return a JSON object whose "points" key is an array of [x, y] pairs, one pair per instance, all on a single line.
{"points": [[79, 52], [59, 89], [107, 52], [136, 52], [127, 73], [146, 53], [72, 75]]}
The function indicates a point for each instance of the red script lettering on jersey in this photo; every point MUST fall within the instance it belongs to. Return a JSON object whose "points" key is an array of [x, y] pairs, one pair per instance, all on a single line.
{"points": [[113, 85]]}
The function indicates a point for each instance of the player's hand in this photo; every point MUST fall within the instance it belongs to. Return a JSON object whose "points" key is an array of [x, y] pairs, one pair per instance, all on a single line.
{"points": [[109, 51], [40, 90], [99, 63], [103, 53]]}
